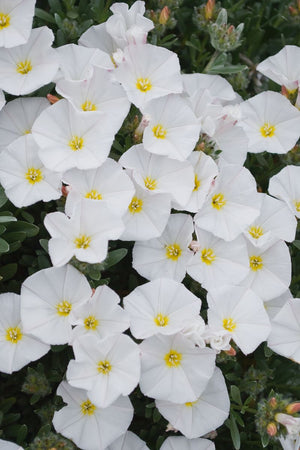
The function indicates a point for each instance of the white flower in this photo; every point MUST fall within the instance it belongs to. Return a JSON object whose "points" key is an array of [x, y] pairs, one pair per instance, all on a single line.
{"points": [[128, 25], [49, 298], [219, 88], [285, 333], [218, 262], [182, 443], [232, 204], [291, 423], [17, 347], [91, 427], [84, 235], [108, 184], [195, 331], [283, 67], [148, 72], [276, 304], [101, 315], [174, 369], [98, 37], [25, 68], [68, 138], [168, 255], [106, 368], [160, 174], [173, 129], [286, 186], [2, 99], [15, 22], [240, 312], [218, 339], [129, 441], [7, 445], [270, 122], [24, 177], [161, 306], [208, 412], [18, 116]]}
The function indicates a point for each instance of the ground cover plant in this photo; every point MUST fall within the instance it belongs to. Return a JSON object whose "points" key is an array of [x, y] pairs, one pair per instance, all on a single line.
{"points": [[149, 225]]}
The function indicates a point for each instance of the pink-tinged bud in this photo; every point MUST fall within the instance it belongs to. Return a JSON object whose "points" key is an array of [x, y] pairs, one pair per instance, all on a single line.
{"points": [[195, 246], [230, 29], [52, 98], [230, 352], [284, 91], [293, 408], [171, 428], [273, 402], [298, 4], [140, 129], [271, 429], [93, 291], [65, 189], [293, 11], [209, 9], [164, 15]]}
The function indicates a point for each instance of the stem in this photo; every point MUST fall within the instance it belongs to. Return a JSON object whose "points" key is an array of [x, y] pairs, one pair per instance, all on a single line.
{"points": [[211, 61], [249, 410]]}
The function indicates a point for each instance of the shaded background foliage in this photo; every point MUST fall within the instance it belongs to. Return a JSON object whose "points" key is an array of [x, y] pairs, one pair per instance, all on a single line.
{"points": [[28, 397]]}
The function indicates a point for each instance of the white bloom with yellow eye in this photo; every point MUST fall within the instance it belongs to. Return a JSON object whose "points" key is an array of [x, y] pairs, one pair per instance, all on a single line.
{"points": [[173, 129], [286, 186], [146, 216], [241, 312], [161, 306], [15, 22], [68, 138], [284, 338], [129, 441], [106, 368], [49, 298], [168, 255], [270, 270], [84, 235], [148, 72], [18, 116], [101, 315], [275, 222], [218, 262], [108, 184], [17, 346], [27, 67], [173, 369], [23, 176], [276, 304], [87, 425], [160, 174], [271, 123], [208, 412], [232, 204]]}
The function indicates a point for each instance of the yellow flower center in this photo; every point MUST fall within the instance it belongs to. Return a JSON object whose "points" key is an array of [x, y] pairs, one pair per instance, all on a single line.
{"points": [[4, 21], [94, 195], [208, 256], [173, 251], [150, 183], [13, 334], [104, 367], [229, 324], [143, 84], [297, 205], [23, 67], [159, 131], [87, 408], [88, 106], [161, 321], [82, 241], [218, 201], [190, 404], [197, 183], [173, 358], [267, 130], [63, 308], [76, 143], [256, 263], [27, 132], [91, 323], [33, 175], [136, 205], [256, 231]]}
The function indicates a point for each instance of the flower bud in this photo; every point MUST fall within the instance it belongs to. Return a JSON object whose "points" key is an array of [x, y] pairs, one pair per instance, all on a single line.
{"points": [[231, 352], [293, 408], [52, 98], [209, 9], [271, 429], [273, 402], [164, 15]]}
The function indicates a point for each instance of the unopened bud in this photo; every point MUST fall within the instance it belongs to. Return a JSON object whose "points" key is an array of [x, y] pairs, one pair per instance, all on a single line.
{"points": [[164, 15], [293, 11], [284, 91], [171, 428], [293, 408], [209, 9], [195, 246], [230, 352], [230, 29], [271, 429], [65, 189], [273, 402], [52, 98], [138, 134]]}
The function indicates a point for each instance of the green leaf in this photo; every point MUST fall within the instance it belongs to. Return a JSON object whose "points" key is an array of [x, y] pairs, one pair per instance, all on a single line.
{"points": [[44, 244], [6, 219], [8, 271], [10, 418], [15, 236], [21, 434], [226, 70], [28, 228], [4, 246], [156, 416], [265, 439], [236, 395], [3, 198], [234, 432], [114, 257], [44, 15], [297, 244], [45, 429], [7, 404]]}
